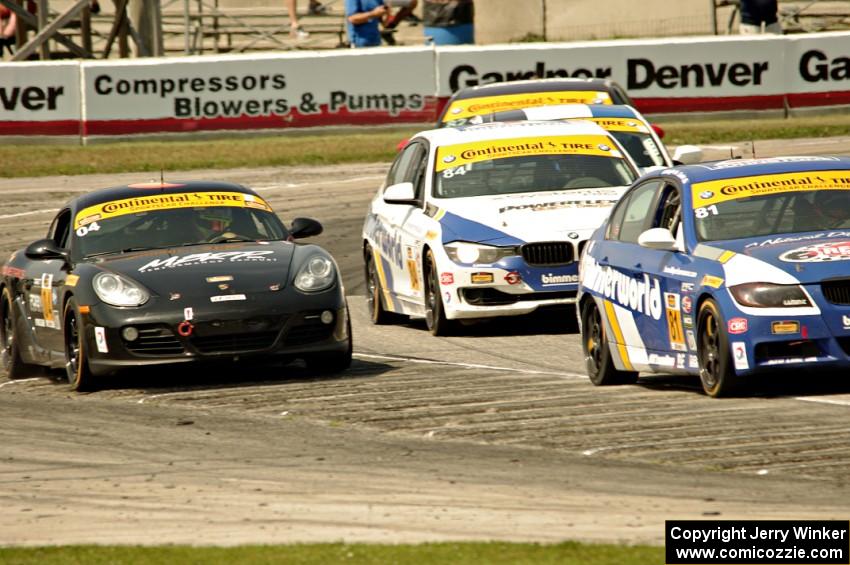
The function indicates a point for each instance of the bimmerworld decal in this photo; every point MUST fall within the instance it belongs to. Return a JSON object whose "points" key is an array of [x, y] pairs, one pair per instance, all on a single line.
{"points": [[818, 253], [642, 296]]}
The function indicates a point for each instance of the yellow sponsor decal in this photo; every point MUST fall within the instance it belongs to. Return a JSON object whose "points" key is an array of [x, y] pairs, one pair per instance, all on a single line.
{"points": [[785, 327], [47, 298], [725, 256], [485, 105], [115, 208], [711, 281], [481, 278], [451, 156], [611, 315], [620, 124], [713, 192], [414, 274], [71, 280]]}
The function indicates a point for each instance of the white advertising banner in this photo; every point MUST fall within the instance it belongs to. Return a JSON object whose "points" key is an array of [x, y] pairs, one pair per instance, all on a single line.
{"points": [[40, 98], [670, 75], [269, 91], [818, 70]]}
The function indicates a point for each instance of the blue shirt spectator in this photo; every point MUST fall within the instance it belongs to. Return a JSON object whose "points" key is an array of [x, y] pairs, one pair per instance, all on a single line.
{"points": [[364, 19]]}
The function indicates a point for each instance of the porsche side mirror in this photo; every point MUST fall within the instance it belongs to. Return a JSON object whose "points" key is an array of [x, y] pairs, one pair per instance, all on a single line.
{"points": [[687, 155], [304, 227], [401, 193], [45, 250], [658, 238]]}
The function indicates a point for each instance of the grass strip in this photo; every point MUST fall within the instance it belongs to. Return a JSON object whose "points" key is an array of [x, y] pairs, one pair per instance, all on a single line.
{"points": [[495, 553], [356, 146]]}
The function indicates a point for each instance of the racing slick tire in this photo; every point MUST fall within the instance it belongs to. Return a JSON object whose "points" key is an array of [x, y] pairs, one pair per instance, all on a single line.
{"points": [[597, 352], [11, 362], [435, 314], [330, 363], [77, 368], [378, 313], [715, 358]]}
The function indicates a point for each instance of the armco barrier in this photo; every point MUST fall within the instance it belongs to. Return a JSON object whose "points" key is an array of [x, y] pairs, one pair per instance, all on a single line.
{"points": [[40, 99], [272, 91], [406, 85]]}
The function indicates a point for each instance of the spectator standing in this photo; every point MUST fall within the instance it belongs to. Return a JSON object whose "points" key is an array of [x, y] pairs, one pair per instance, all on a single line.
{"points": [[8, 25], [755, 13], [449, 22], [391, 22], [295, 29], [364, 18]]}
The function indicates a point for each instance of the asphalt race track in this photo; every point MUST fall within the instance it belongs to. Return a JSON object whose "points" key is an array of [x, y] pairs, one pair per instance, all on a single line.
{"points": [[495, 433]]}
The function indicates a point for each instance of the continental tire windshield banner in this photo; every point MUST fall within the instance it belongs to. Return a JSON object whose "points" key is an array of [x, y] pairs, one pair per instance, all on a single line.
{"points": [[477, 106], [451, 156], [114, 208], [714, 192], [268, 91]]}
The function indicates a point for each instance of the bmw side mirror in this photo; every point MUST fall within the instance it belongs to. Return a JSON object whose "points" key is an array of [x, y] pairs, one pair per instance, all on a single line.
{"points": [[305, 227], [45, 250], [687, 155], [401, 193], [658, 238]]}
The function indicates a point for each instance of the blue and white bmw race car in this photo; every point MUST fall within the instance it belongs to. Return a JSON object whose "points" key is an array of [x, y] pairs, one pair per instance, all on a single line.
{"points": [[722, 270], [489, 220]]}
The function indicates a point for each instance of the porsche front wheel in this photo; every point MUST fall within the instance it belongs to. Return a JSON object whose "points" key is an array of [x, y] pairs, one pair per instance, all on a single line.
{"points": [[79, 375]]}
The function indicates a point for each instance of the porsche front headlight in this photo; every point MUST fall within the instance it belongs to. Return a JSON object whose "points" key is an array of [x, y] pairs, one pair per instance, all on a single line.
{"points": [[116, 290], [769, 295], [317, 273], [467, 253]]}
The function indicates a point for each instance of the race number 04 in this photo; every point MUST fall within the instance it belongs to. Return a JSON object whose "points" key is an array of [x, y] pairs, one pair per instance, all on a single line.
{"points": [[83, 231]]}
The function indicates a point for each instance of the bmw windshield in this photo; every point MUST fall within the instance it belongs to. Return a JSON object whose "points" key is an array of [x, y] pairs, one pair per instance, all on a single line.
{"points": [[529, 165], [771, 204]]}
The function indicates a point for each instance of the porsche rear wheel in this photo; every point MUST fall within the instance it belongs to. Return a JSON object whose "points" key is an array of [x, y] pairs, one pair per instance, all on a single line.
{"points": [[11, 362], [597, 352], [77, 369], [435, 314], [374, 291], [715, 368]]}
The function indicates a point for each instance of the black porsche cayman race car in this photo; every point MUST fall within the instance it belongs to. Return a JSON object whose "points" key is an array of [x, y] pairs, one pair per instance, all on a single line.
{"points": [[160, 273]]}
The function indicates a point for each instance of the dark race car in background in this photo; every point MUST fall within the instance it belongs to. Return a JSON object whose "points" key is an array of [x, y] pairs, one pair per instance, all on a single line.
{"points": [[163, 273]]}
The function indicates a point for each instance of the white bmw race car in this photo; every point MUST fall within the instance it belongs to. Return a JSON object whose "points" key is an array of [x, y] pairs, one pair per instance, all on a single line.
{"points": [[489, 220]]}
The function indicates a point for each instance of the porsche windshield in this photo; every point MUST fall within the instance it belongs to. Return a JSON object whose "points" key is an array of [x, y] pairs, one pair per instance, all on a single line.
{"points": [[155, 229], [535, 173]]}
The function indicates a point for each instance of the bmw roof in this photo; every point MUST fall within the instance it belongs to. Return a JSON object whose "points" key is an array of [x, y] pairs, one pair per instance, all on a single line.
{"points": [[533, 85], [569, 111], [508, 130], [734, 168]]}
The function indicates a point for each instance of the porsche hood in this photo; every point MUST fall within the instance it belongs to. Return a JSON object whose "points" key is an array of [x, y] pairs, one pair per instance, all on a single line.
{"points": [[204, 270]]}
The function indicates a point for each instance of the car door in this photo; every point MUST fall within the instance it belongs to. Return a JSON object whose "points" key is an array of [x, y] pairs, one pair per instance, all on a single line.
{"points": [[43, 287], [677, 273], [632, 300], [398, 241]]}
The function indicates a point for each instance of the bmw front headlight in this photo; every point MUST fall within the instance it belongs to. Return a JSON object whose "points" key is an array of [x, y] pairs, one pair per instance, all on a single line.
{"points": [[317, 273], [769, 295], [465, 252], [116, 290]]}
